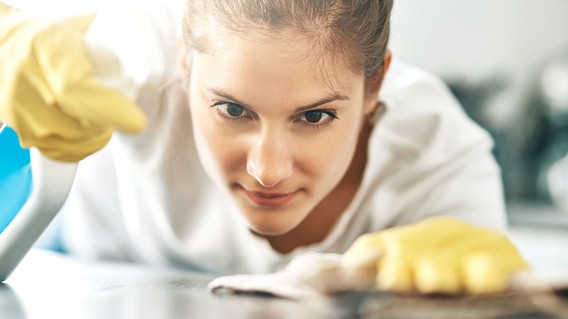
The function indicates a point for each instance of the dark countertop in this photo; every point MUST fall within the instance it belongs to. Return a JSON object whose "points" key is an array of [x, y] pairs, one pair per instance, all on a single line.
{"points": [[48, 285]]}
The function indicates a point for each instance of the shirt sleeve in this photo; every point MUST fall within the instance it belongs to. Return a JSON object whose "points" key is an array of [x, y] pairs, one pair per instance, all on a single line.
{"points": [[432, 159]]}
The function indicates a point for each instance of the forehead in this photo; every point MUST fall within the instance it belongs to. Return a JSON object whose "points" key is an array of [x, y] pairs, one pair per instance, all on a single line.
{"points": [[262, 57]]}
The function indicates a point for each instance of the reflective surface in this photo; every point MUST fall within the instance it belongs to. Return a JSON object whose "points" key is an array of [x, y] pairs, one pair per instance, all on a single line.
{"points": [[47, 285]]}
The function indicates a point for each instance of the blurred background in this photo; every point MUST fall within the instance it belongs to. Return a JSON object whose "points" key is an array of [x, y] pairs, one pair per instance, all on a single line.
{"points": [[507, 62]]}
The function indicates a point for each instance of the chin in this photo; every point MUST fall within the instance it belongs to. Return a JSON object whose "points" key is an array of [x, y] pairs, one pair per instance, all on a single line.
{"points": [[269, 229], [271, 223]]}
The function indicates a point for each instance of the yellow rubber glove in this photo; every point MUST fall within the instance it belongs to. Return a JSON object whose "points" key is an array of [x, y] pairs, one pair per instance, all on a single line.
{"points": [[4, 8], [440, 255], [47, 92]]}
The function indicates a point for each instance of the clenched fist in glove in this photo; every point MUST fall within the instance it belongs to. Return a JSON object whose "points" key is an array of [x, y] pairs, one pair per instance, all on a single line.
{"points": [[438, 255], [47, 92]]}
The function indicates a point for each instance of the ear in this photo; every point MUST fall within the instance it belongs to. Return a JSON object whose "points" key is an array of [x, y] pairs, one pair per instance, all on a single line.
{"points": [[373, 85], [184, 63], [184, 56]]}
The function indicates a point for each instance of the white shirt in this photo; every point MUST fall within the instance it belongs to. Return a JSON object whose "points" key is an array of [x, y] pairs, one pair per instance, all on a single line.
{"points": [[146, 198]]}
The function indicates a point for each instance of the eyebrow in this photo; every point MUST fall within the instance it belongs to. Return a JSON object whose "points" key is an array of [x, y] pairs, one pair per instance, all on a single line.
{"points": [[332, 97]]}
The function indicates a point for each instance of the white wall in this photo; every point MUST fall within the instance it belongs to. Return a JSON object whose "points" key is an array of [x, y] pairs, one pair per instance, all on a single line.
{"points": [[479, 39]]}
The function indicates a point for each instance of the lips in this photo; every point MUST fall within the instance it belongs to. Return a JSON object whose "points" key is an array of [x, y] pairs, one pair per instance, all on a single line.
{"points": [[265, 199]]}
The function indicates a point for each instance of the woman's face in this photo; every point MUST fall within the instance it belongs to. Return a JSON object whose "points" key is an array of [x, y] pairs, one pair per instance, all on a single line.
{"points": [[274, 124]]}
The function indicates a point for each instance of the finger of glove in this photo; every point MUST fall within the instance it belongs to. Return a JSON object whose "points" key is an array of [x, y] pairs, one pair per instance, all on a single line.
{"points": [[395, 274], [63, 60], [103, 106], [58, 137], [63, 150], [489, 272], [437, 273], [485, 273]]}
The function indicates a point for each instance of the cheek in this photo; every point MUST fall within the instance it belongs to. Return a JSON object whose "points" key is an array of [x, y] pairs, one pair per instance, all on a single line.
{"points": [[219, 153], [327, 159]]}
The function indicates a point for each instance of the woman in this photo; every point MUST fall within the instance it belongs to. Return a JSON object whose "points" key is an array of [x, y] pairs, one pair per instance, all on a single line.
{"points": [[305, 131]]}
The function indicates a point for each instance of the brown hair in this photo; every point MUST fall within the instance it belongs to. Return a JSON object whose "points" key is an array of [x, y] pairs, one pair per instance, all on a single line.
{"points": [[357, 30]]}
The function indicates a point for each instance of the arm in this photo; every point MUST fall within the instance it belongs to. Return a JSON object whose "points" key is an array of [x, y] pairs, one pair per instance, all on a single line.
{"points": [[432, 160]]}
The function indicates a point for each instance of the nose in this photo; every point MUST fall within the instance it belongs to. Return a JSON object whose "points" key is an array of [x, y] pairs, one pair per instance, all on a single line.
{"points": [[270, 160]]}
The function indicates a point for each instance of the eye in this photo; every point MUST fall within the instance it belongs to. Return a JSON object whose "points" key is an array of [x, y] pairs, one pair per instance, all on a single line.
{"points": [[318, 117], [231, 110]]}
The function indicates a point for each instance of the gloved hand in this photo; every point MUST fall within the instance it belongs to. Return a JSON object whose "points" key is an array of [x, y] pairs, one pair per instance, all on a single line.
{"points": [[438, 255], [4, 8], [47, 92]]}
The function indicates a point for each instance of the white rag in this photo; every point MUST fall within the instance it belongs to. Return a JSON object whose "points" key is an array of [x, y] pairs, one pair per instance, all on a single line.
{"points": [[306, 276]]}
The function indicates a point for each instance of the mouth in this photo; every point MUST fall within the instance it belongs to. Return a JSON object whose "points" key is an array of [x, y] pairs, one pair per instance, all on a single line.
{"points": [[271, 200]]}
